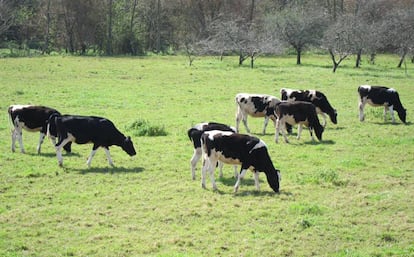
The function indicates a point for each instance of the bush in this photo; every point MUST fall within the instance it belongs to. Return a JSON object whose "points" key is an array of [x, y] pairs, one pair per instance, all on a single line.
{"points": [[144, 128]]}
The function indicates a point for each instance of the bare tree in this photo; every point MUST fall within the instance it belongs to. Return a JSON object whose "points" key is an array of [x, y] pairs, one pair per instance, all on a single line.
{"points": [[6, 15], [398, 27], [338, 41], [299, 27]]}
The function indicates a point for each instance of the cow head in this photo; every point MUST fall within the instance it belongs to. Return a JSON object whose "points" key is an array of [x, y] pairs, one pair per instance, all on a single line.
{"points": [[403, 115], [318, 131], [128, 146], [333, 116]]}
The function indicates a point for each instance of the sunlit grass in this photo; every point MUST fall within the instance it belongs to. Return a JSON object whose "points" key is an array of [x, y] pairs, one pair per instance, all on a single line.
{"points": [[350, 195]]}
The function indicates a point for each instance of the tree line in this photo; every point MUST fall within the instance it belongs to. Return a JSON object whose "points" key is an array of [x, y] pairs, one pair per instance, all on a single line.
{"points": [[247, 28]]}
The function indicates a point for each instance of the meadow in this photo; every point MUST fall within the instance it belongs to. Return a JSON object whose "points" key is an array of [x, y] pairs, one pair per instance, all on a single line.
{"points": [[349, 195]]}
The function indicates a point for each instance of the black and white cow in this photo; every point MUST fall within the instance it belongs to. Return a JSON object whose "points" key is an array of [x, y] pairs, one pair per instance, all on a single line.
{"points": [[195, 133], [381, 96], [237, 149], [297, 112], [88, 129], [31, 118], [317, 98], [255, 105]]}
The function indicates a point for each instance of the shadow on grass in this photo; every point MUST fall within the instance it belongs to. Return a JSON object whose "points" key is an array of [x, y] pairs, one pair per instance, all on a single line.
{"points": [[390, 123], [109, 169], [323, 142], [231, 181], [52, 154]]}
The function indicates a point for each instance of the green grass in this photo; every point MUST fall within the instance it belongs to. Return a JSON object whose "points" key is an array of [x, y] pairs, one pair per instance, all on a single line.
{"points": [[351, 195]]}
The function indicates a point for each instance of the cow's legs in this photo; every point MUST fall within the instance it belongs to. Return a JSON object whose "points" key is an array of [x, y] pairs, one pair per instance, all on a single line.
{"points": [[239, 178], [362, 103], [391, 109], [220, 166], [266, 121], [17, 133], [280, 125], [311, 133], [324, 119], [256, 180], [299, 131], [59, 150], [209, 165], [196, 157], [108, 156], [241, 116], [41, 138], [13, 135], [88, 162], [277, 130]]}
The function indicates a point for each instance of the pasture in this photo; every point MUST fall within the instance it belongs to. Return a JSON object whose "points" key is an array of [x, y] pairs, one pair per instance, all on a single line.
{"points": [[349, 195]]}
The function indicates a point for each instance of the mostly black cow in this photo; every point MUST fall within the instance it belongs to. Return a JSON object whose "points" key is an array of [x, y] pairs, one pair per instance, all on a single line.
{"points": [[381, 96], [255, 105], [237, 149], [88, 129], [298, 112], [317, 98], [195, 133], [31, 118]]}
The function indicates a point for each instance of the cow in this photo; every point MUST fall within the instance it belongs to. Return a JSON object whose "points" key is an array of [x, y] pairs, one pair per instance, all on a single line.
{"points": [[237, 149], [195, 132], [381, 96], [88, 129], [297, 112], [255, 105], [31, 118], [317, 98]]}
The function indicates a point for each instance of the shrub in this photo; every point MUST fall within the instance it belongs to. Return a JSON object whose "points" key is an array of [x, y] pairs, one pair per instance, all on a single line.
{"points": [[144, 128]]}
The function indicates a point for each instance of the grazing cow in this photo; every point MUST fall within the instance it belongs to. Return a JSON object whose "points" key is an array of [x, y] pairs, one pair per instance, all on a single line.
{"points": [[381, 96], [255, 105], [88, 129], [31, 118], [298, 112], [195, 133], [318, 99], [237, 149]]}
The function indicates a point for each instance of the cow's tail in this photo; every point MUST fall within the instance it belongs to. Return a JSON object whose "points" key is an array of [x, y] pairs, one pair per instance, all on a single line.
{"points": [[10, 118]]}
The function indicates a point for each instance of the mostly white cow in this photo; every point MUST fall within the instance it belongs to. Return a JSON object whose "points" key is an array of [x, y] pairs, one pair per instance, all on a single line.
{"points": [[88, 129], [298, 112], [317, 98], [237, 149], [381, 96], [195, 133], [255, 105], [31, 118]]}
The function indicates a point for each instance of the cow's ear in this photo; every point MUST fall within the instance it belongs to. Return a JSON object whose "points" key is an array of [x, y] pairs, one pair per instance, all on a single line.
{"points": [[128, 138]]}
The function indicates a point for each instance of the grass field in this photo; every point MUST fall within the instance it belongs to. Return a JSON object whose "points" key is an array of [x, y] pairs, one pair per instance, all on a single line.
{"points": [[350, 195]]}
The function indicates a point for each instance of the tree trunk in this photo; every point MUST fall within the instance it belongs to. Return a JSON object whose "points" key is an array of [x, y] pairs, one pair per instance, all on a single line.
{"points": [[372, 58], [298, 56], [47, 36], [109, 42], [358, 59], [335, 64], [252, 61], [241, 58], [402, 59], [158, 28]]}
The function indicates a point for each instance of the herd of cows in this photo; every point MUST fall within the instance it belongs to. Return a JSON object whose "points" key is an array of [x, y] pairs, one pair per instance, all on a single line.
{"points": [[220, 143]]}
